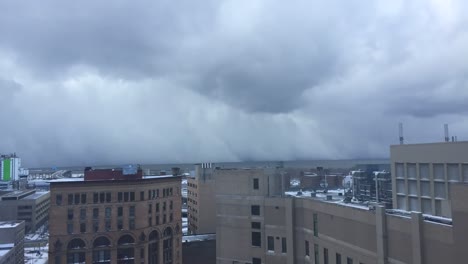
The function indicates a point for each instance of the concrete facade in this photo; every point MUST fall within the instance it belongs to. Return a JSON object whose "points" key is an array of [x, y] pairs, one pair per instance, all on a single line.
{"points": [[28, 205], [116, 221], [263, 226], [423, 175], [201, 212], [12, 242]]}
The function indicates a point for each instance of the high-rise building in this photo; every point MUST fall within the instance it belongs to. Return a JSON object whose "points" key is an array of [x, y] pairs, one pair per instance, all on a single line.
{"points": [[10, 167], [11, 242], [201, 208], [425, 173], [116, 216], [257, 223], [29, 205]]}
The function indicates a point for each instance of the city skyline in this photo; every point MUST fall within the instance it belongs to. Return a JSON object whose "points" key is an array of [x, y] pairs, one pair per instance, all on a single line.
{"points": [[158, 82]]}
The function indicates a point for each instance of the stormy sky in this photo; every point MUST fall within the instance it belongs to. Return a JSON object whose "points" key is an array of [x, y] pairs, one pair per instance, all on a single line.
{"points": [[107, 82]]}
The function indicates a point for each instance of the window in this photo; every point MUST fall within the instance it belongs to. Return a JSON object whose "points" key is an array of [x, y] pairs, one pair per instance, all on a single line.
{"points": [[102, 197], [164, 219], [77, 198], [120, 211], [108, 225], [101, 251], [131, 224], [256, 239], [70, 227], [150, 208], [95, 226], [126, 197], [284, 247], [157, 207], [119, 197], [271, 243], [171, 217], [256, 261], [256, 225], [83, 227], [119, 224], [108, 197], [70, 214], [164, 206], [255, 184], [316, 253], [58, 199], [338, 258], [171, 205], [108, 212], [255, 209], [83, 198], [349, 260], [315, 225], [157, 220], [95, 198], [132, 196], [131, 211], [325, 255], [95, 213], [150, 221], [70, 199], [306, 245], [142, 196], [83, 214]]}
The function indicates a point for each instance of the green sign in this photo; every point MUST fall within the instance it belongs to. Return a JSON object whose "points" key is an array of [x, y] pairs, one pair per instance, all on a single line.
{"points": [[7, 169]]}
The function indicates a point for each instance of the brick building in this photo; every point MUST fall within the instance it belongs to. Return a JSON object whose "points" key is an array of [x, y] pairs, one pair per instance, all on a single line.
{"points": [[116, 216]]}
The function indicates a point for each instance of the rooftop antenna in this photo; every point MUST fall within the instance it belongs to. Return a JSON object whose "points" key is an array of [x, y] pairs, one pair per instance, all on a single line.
{"points": [[400, 126], [446, 133]]}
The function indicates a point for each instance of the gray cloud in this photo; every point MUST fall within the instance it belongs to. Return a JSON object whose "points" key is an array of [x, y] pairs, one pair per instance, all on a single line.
{"points": [[176, 81]]}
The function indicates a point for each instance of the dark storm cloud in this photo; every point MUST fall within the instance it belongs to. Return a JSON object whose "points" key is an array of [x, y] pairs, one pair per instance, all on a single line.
{"points": [[183, 81]]}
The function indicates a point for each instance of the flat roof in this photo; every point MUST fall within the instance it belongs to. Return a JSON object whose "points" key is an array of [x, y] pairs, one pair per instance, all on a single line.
{"points": [[9, 224], [35, 195]]}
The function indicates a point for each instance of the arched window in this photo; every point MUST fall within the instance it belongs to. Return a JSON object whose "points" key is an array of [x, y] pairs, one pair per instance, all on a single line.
{"points": [[76, 251], [153, 247], [167, 246], [126, 250], [101, 250]]}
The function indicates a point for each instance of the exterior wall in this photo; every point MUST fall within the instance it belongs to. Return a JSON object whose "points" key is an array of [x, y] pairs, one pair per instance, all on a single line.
{"points": [[364, 235], [199, 252], [12, 232], [423, 174], [32, 209], [152, 193], [200, 201]]}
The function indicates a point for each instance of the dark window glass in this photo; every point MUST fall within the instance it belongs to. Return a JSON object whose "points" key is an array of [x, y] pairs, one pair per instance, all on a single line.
{"points": [[315, 225], [83, 213], [271, 243], [170, 191], [120, 211], [150, 208], [164, 192], [70, 227], [108, 225], [325, 256], [349, 261], [132, 196], [102, 197], [108, 197], [131, 211], [58, 199], [125, 196], [338, 258], [119, 196], [157, 207], [95, 197], [316, 253], [256, 225], [256, 261], [95, 226], [70, 214], [95, 213], [142, 196], [131, 224], [170, 217], [283, 245], [256, 239], [119, 224], [70, 199], [83, 227], [164, 206], [108, 212], [307, 252], [83, 198], [164, 219], [171, 205], [255, 209], [157, 220], [157, 193], [149, 194], [77, 198], [150, 221], [255, 184]]}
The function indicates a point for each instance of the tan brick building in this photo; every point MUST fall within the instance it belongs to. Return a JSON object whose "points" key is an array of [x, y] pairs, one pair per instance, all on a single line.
{"points": [[113, 217], [257, 224]]}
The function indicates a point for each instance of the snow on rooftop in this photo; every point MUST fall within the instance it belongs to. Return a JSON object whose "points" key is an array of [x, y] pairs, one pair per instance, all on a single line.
{"points": [[9, 224], [203, 237]]}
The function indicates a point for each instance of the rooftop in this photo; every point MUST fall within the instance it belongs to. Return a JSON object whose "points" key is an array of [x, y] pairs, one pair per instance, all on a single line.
{"points": [[9, 224]]}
